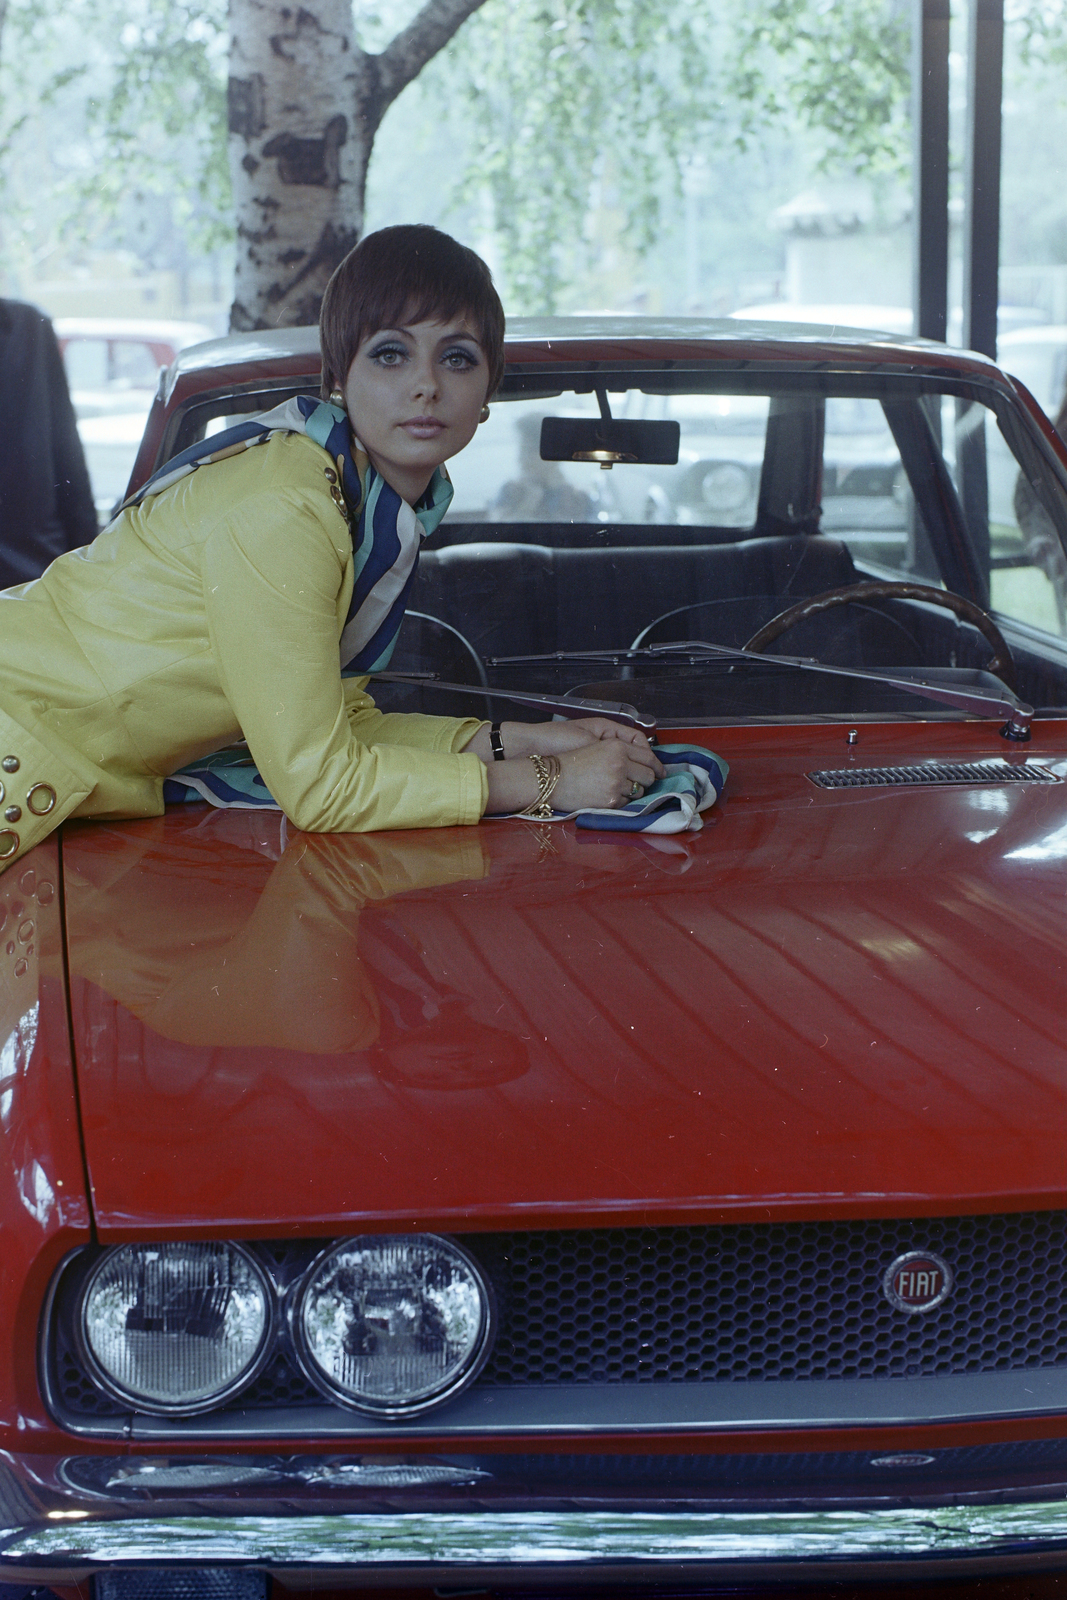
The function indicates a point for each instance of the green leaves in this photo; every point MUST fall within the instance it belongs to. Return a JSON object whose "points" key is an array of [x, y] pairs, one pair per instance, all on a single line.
{"points": [[843, 68], [162, 121], [139, 91], [582, 106], [587, 113], [593, 108]]}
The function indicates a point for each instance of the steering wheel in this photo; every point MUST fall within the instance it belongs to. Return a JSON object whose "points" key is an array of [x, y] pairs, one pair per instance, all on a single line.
{"points": [[1002, 663]]}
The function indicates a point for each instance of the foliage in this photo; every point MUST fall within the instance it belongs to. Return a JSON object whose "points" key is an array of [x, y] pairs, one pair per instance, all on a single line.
{"points": [[612, 99], [578, 106], [844, 68], [575, 100], [1041, 26], [162, 123], [139, 90]]}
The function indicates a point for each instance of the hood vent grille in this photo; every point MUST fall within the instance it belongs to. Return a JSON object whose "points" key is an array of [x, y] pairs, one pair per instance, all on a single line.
{"points": [[941, 772]]}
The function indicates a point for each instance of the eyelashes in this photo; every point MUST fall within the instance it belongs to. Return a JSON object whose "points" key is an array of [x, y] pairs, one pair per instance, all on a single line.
{"points": [[382, 350], [462, 354], [458, 357]]}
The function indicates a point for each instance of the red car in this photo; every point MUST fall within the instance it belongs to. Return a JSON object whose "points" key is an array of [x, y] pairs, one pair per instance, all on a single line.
{"points": [[526, 1206]]}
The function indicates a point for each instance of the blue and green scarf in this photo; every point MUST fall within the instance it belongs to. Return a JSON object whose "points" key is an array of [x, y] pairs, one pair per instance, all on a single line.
{"points": [[387, 533]]}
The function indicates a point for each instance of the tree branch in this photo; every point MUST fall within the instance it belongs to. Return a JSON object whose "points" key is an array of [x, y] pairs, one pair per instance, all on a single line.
{"points": [[419, 42]]}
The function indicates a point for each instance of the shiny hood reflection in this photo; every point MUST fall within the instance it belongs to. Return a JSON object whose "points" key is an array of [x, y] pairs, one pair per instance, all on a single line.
{"points": [[830, 1003], [248, 935]]}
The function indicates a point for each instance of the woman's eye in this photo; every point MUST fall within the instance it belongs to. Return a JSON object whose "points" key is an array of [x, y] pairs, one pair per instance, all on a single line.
{"points": [[460, 359], [388, 355]]}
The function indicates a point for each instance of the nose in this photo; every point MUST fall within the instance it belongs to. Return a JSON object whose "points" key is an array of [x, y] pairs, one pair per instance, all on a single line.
{"points": [[424, 378]]}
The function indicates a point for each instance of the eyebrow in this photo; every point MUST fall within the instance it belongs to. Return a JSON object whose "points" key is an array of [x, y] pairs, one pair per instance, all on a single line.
{"points": [[457, 333]]}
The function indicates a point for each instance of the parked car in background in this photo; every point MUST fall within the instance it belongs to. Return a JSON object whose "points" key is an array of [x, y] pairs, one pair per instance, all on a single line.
{"points": [[526, 1207], [113, 366]]}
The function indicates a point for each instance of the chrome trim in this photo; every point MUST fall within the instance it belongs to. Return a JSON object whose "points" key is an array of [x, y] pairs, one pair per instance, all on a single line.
{"points": [[931, 1303], [942, 773], [611, 1410], [415, 1544]]}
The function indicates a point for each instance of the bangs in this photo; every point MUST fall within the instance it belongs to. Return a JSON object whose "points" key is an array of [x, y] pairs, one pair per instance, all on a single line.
{"points": [[404, 275]]}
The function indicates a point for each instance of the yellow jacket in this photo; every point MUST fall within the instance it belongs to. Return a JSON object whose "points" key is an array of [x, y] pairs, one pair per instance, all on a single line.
{"points": [[209, 613]]}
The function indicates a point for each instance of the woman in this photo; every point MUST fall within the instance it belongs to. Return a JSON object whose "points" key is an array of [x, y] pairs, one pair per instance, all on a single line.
{"points": [[231, 594]]}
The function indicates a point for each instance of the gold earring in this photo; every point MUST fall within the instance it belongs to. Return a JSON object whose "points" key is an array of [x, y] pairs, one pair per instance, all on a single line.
{"points": [[337, 398], [484, 414]]}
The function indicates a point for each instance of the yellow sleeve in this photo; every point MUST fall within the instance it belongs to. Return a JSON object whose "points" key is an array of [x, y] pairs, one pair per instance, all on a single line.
{"points": [[271, 576], [412, 728]]}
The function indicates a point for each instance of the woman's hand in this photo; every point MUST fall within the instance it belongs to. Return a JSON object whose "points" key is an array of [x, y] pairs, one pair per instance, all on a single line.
{"points": [[604, 772], [600, 773], [555, 738], [600, 760]]}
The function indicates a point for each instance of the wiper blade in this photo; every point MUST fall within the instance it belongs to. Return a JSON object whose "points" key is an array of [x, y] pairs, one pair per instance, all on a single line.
{"points": [[965, 689], [638, 653], [613, 710]]}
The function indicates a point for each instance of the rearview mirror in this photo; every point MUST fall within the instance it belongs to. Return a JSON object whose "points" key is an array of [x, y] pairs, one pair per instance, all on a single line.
{"points": [[609, 441]]}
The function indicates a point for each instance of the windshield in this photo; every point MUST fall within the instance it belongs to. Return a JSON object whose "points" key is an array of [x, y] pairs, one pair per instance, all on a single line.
{"points": [[788, 484]]}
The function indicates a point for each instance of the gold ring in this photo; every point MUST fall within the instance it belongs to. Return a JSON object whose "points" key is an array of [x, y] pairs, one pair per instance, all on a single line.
{"points": [[635, 789]]}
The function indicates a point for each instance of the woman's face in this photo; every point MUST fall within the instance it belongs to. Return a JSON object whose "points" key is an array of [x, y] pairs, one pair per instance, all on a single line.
{"points": [[414, 395]]}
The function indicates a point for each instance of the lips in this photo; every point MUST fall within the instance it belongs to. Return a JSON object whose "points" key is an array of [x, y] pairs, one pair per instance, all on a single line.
{"points": [[423, 427]]}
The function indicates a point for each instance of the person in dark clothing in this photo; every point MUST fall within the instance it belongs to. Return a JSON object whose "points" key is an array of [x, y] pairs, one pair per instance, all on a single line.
{"points": [[46, 503]]}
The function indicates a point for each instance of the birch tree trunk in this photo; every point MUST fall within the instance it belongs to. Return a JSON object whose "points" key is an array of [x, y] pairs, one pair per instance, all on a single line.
{"points": [[305, 102]]}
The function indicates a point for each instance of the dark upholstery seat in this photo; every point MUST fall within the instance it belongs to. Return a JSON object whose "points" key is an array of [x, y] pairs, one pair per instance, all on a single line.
{"points": [[517, 599], [500, 596]]}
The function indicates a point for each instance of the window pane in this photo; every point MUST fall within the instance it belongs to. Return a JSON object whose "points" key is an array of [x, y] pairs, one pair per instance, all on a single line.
{"points": [[1028, 570], [866, 500], [501, 478]]}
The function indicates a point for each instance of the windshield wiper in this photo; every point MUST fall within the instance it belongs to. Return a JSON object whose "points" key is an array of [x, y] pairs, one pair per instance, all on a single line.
{"points": [[613, 710], [963, 688]]}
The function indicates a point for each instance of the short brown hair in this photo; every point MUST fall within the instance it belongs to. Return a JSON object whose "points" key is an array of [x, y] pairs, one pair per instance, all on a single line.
{"points": [[411, 271]]}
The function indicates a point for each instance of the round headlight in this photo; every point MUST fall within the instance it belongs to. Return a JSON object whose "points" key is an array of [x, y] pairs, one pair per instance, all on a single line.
{"points": [[725, 487], [175, 1328], [393, 1324]]}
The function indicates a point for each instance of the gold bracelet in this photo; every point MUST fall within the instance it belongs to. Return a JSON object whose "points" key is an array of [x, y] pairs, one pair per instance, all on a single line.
{"points": [[548, 772]]}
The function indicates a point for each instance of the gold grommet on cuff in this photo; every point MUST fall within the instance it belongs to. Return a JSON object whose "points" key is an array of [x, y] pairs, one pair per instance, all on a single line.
{"points": [[13, 814], [9, 843], [10, 763], [41, 799], [2, 791]]}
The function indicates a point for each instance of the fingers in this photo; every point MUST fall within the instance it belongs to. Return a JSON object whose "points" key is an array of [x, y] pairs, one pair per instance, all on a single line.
{"points": [[640, 749], [644, 765], [608, 772], [619, 730]]}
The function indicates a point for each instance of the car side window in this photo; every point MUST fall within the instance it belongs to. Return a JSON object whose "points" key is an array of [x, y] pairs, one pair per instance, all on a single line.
{"points": [[1027, 562], [866, 497]]}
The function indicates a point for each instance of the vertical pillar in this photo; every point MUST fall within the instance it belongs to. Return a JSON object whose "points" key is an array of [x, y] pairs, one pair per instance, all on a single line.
{"points": [[930, 40], [981, 228]]}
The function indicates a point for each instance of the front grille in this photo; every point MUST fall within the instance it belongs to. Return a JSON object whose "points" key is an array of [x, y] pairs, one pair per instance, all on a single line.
{"points": [[748, 1303], [780, 1301], [940, 772]]}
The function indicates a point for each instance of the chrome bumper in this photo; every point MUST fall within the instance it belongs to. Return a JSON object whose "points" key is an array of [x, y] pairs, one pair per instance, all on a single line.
{"points": [[450, 1547]]}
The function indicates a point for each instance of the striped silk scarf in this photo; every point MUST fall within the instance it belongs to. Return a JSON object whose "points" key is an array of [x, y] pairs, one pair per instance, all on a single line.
{"points": [[387, 533]]}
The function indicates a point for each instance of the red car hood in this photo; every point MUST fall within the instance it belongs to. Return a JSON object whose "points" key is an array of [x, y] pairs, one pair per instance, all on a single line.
{"points": [[826, 1003]]}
